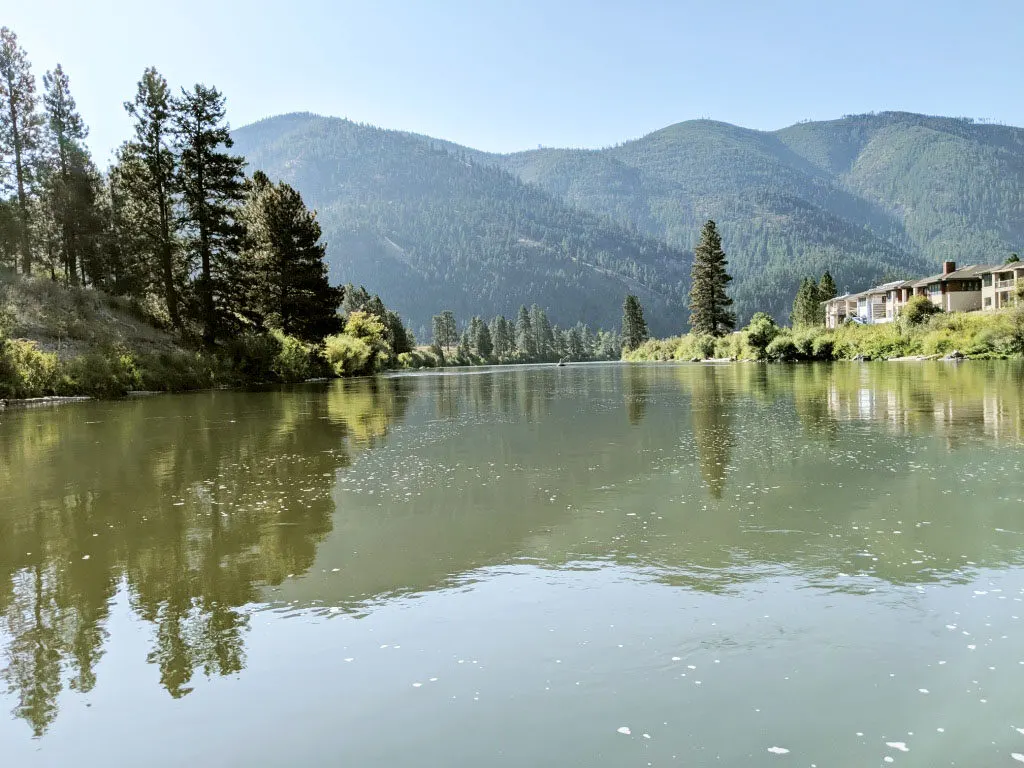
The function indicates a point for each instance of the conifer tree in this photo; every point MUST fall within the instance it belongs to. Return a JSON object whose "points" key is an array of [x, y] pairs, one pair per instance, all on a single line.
{"points": [[445, 330], [282, 268], [71, 182], [212, 187], [146, 191], [525, 341], [634, 328], [501, 337], [543, 335], [482, 341], [805, 304], [709, 302], [826, 288], [20, 135]]}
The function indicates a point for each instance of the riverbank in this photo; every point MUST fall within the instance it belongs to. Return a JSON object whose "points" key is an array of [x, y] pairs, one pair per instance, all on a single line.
{"points": [[980, 335], [59, 342]]}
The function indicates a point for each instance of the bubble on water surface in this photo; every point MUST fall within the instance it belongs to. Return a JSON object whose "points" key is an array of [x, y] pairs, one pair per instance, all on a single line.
{"points": [[778, 750], [624, 730], [900, 745]]}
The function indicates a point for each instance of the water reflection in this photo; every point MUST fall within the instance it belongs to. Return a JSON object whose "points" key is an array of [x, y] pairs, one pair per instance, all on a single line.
{"points": [[190, 503], [201, 509]]}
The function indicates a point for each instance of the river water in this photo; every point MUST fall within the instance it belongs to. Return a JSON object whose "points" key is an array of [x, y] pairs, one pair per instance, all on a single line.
{"points": [[593, 565]]}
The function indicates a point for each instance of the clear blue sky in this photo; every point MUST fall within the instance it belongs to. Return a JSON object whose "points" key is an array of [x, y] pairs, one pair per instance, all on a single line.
{"points": [[511, 75]]}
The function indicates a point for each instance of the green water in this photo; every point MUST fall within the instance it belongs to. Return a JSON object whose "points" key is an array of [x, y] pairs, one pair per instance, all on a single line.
{"points": [[595, 565]]}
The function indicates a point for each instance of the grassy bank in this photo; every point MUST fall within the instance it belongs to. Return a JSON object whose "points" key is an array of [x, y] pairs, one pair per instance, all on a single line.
{"points": [[975, 334]]}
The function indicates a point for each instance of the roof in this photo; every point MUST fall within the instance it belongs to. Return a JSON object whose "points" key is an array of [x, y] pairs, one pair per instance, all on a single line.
{"points": [[965, 273]]}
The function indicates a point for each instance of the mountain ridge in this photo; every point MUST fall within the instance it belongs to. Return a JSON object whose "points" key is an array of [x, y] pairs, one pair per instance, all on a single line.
{"points": [[869, 196]]}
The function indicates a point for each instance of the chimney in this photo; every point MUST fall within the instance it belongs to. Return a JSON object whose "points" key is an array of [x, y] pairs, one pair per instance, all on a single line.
{"points": [[948, 266]]}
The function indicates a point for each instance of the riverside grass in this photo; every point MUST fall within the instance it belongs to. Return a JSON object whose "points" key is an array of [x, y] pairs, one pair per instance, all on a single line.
{"points": [[998, 334]]}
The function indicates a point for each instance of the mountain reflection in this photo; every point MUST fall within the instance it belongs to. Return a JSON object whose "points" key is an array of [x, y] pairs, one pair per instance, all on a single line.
{"points": [[197, 509]]}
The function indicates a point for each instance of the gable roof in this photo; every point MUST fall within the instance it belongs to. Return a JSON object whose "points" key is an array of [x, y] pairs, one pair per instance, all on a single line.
{"points": [[972, 272]]}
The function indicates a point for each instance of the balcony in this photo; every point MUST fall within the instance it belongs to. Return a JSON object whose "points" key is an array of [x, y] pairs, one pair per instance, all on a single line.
{"points": [[1005, 283]]}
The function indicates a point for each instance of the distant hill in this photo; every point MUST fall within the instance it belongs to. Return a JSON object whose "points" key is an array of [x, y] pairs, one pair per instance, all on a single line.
{"points": [[431, 227], [429, 223]]}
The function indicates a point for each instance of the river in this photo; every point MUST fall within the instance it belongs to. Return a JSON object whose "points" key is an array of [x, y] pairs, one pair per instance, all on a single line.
{"points": [[592, 565]]}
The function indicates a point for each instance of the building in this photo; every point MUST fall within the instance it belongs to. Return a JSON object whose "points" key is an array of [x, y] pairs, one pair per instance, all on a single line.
{"points": [[998, 287], [955, 290], [979, 286]]}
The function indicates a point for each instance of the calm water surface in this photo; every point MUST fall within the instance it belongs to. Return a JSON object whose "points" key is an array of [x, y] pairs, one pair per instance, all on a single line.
{"points": [[597, 565]]}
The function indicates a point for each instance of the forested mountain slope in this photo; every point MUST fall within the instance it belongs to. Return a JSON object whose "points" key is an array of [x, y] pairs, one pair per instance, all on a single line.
{"points": [[430, 227], [429, 223]]}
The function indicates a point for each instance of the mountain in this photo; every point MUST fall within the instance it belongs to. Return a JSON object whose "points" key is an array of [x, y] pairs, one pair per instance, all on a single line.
{"points": [[431, 227], [431, 224]]}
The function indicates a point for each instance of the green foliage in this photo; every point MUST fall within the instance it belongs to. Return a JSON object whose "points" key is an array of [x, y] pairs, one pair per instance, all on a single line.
{"points": [[782, 348], [212, 189], [281, 268], [296, 360], [634, 328], [760, 332], [347, 355], [709, 301], [109, 373], [26, 371], [918, 309], [808, 309]]}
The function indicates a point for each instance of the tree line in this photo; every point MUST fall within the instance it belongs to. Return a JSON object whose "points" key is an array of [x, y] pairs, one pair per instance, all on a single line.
{"points": [[529, 337], [174, 223]]}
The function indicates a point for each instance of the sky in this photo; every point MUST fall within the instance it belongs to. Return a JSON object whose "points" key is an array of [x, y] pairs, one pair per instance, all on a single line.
{"points": [[517, 74]]}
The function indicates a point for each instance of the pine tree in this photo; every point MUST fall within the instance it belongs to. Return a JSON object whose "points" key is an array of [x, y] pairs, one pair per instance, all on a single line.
{"points": [[71, 182], [709, 302], [634, 328], [525, 341], [805, 304], [147, 190], [401, 337], [501, 337], [282, 268], [543, 336], [212, 187], [826, 287], [574, 344], [20, 135], [445, 330]]}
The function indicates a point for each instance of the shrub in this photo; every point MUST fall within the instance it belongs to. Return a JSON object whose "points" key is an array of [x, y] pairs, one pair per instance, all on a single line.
{"points": [[109, 373], [296, 360], [918, 309], [26, 371], [347, 355], [760, 333], [251, 355], [704, 346], [782, 348], [823, 348]]}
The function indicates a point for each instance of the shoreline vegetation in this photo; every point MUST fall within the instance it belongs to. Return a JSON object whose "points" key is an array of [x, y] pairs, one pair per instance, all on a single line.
{"points": [[995, 334]]}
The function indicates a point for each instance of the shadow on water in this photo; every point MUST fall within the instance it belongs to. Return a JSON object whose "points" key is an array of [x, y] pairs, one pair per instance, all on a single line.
{"points": [[199, 508]]}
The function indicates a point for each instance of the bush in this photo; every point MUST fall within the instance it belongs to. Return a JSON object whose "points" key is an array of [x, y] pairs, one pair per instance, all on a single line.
{"points": [[26, 371], [251, 355], [348, 356], [704, 347], [110, 373], [823, 348], [296, 361], [760, 333], [782, 348], [918, 309]]}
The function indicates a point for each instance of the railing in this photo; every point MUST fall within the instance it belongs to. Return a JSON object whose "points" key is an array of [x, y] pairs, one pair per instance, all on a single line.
{"points": [[1005, 283]]}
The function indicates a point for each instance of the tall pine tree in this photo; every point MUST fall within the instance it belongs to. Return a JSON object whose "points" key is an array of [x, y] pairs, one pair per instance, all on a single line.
{"points": [[147, 190], [212, 187], [525, 339], [20, 135], [71, 182], [282, 269], [709, 301], [634, 327]]}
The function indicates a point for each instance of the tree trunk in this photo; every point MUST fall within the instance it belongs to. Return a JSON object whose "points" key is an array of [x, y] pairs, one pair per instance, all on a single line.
{"points": [[19, 172]]}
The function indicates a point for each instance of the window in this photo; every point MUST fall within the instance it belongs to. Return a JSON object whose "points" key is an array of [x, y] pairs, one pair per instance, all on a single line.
{"points": [[987, 281], [988, 301], [935, 288]]}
